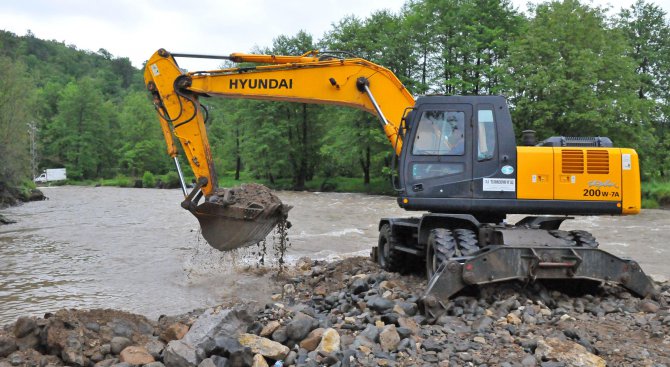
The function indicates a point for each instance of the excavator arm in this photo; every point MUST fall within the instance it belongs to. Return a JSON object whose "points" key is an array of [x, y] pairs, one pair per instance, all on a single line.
{"points": [[307, 78]]}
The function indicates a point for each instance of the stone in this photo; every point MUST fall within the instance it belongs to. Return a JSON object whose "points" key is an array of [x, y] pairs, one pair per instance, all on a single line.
{"points": [[409, 323], [330, 341], [259, 361], [431, 345], [270, 328], [73, 356], [571, 353], [122, 328], [404, 332], [30, 341], [300, 326], [513, 319], [263, 346], [207, 362], [227, 345], [175, 331], [180, 354], [648, 306], [219, 361], [154, 364], [7, 345], [464, 356], [291, 358], [136, 355], [304, 264], [280, 335], [312, 340], [359, 286], [390, 318], [482, 324], [198, 343], [107, 362], [119, 343], [389, 338], [529, 361], [24, 326], [380, 304], [155, 348], [479, 339]]}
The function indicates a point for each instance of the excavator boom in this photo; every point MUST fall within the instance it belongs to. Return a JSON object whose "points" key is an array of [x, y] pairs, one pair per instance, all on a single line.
{"points": [[308, 78]]}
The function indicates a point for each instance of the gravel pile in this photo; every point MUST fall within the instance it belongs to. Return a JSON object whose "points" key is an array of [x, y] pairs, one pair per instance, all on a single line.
{"points": [[352, 313]]}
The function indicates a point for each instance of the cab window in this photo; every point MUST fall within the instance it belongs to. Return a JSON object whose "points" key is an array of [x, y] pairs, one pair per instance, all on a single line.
{"points": [[486, 139], [440, 133]]}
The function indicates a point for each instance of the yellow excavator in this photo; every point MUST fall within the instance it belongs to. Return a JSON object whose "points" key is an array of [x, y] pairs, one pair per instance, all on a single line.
{"points": [[457, 161]]}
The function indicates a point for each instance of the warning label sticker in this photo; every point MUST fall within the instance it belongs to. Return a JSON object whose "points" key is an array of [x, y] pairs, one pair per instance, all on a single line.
{"points": [[499, 184]]}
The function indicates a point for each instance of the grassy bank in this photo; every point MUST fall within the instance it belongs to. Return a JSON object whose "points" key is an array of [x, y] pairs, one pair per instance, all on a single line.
{"points": [[377, 186], [656, 194]]}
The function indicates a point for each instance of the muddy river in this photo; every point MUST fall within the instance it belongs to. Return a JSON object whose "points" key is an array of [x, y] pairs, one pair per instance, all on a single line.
{"points": [[137, 250]]}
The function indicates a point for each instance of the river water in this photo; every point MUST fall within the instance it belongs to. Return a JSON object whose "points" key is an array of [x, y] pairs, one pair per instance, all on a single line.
{"points": [[137, 250]]}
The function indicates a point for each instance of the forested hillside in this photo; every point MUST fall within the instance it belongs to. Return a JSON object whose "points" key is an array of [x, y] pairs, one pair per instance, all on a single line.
{"points": [[567, 68]]}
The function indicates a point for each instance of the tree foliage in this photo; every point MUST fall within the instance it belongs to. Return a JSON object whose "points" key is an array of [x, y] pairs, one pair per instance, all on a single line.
{"points": [[15, 115], [567, 68]]}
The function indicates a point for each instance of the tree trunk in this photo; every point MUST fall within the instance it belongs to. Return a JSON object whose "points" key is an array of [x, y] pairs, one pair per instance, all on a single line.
{"points": [[304, 156], [365, 165], [238, 160]]}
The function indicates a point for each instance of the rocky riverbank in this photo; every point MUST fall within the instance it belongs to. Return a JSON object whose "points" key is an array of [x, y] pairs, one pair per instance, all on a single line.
{"points": [[351, 313], [13, 196]]}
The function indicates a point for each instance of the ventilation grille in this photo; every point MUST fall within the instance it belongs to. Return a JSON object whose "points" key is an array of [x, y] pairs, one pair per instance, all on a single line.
{"points": [[573, 161], [597, 161]]}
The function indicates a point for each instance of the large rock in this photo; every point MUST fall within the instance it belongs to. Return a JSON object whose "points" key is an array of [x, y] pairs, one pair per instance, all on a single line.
{"points": [[175, 331], [389, 338], [482, 324], [380, 304], [270, 328], [200, 340], [180, 354], [136, 355], [263, 346], [119, 343], [409, 323], [7, 345], [312, 340], [259, 361], [155, 348], [24, 326], [72, 352], [300, 326], [330, 342], [570, 353]]}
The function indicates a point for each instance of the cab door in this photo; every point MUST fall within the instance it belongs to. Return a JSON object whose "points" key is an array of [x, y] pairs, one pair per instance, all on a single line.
{"points": [[437, 162]]}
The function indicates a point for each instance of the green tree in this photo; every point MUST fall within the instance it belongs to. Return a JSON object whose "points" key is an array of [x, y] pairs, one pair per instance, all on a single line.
{"points": [[462, 43], [140, 141], [646, 28], [570, 76], [16, 91], [79, 135]]}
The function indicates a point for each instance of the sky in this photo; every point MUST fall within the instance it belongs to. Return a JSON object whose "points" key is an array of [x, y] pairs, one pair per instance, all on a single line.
{"points": [[137, 28]]}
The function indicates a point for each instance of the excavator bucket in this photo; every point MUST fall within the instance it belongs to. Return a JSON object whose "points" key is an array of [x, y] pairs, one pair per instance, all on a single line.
{"points": [[239, 217]]}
